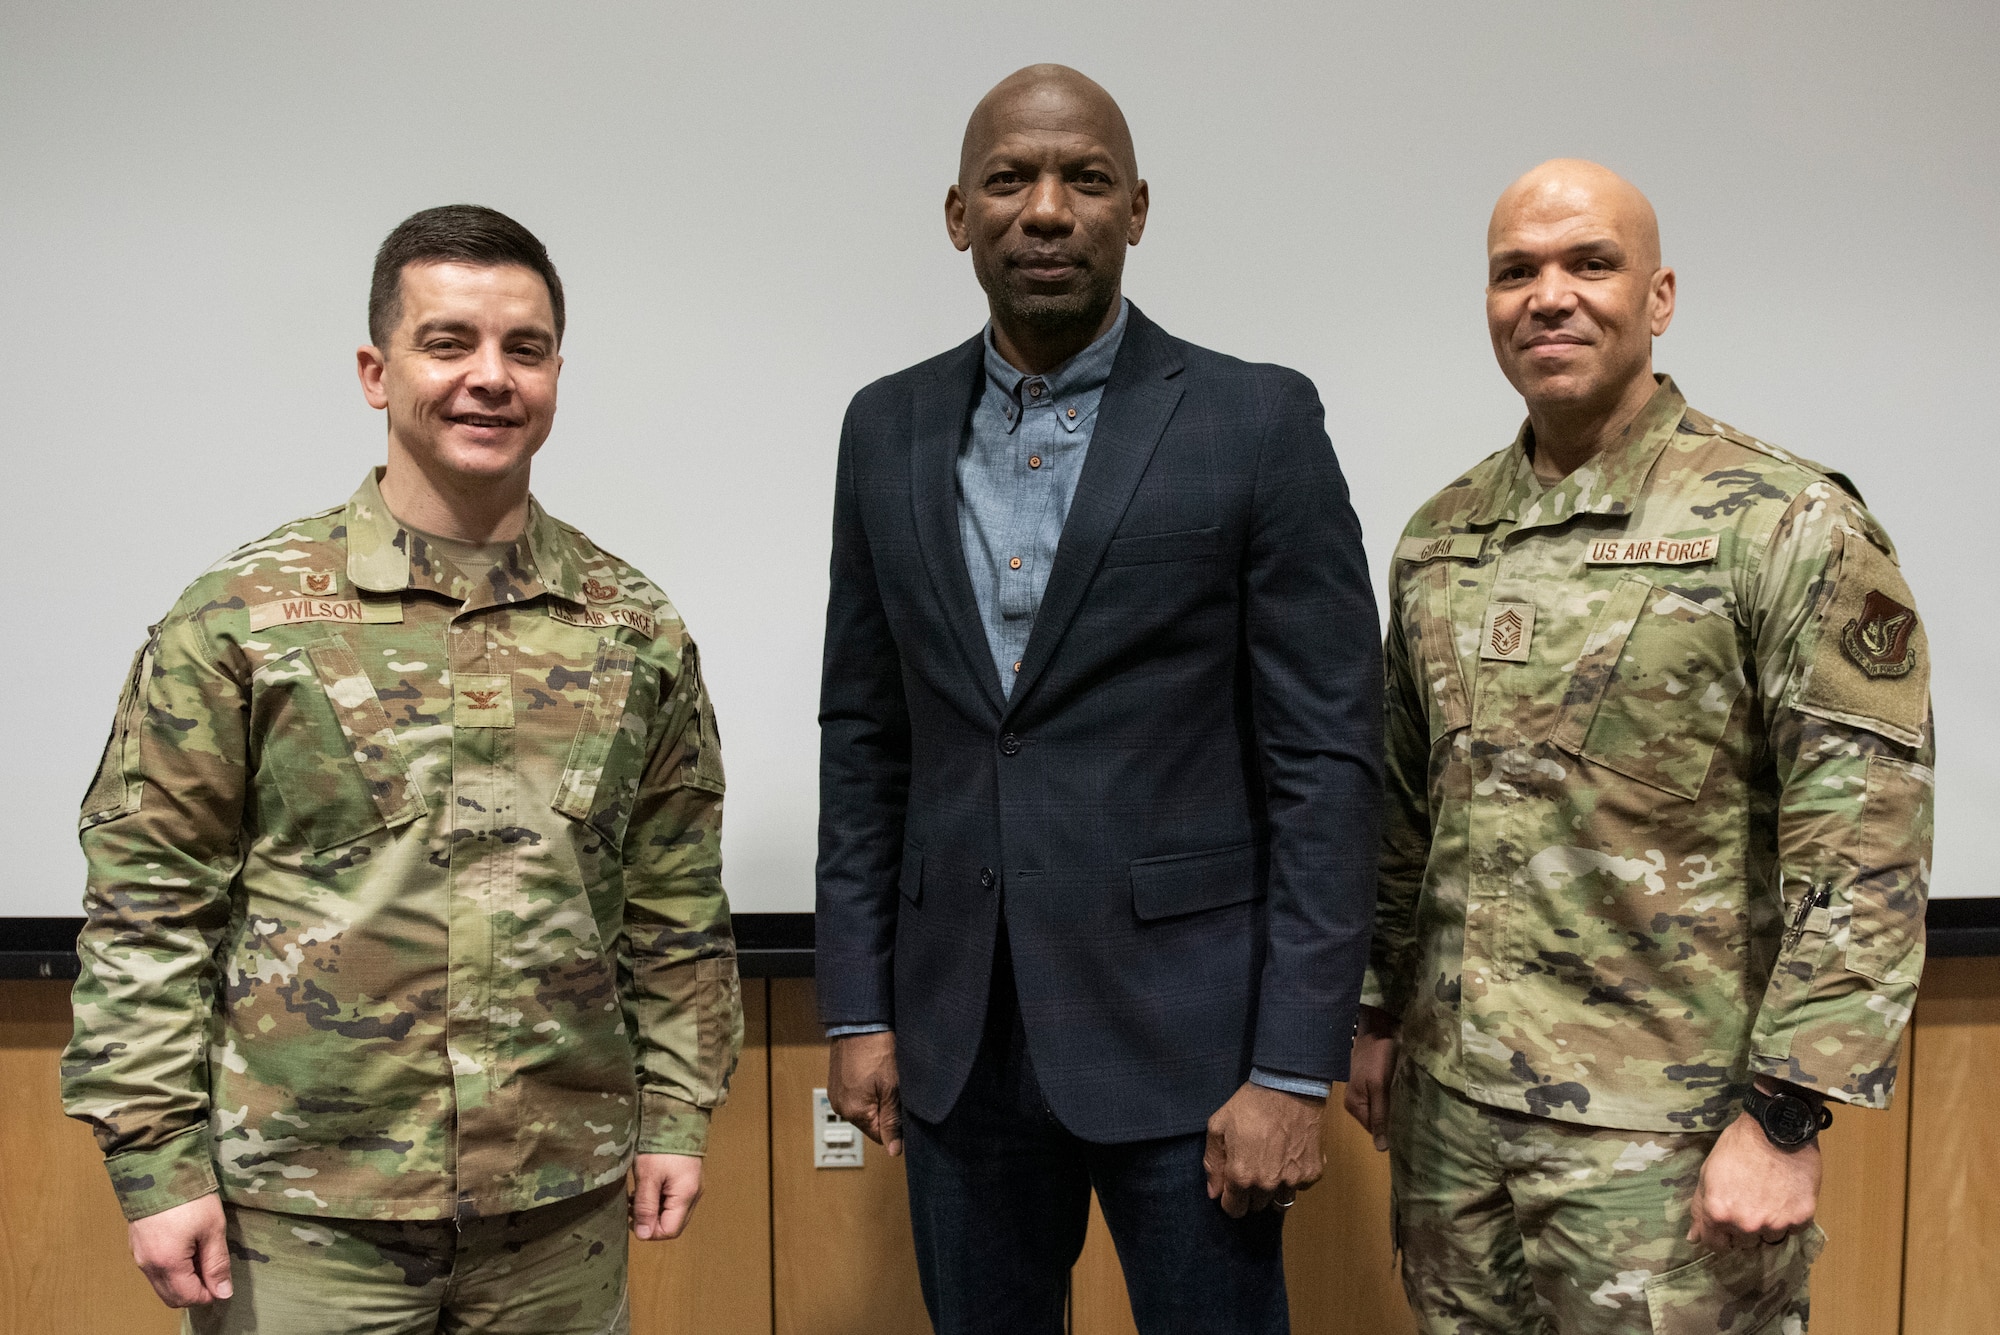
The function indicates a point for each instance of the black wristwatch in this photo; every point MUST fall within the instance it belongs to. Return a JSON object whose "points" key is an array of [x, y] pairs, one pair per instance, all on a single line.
{"points": [[1789, 1121]]}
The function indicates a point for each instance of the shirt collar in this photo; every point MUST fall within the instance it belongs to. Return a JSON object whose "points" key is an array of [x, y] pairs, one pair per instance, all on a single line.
{"points": [[1608, 484], [1086, 373], [543, 559]]}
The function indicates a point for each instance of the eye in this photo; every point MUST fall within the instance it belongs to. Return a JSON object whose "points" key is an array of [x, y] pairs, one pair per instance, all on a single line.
{"points": [[1513, 273], [1595, 265], [1002, 180], [1095, 179]]}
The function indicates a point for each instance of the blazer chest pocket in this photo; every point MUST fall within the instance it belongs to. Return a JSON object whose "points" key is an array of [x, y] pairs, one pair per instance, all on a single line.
{"points": [[1141, 549], [330, 747], [1654, 688], [1166, 887]]}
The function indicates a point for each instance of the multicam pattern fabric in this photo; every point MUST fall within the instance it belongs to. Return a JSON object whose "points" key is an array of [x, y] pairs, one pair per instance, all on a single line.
{"points": [[557, 1270], [1509, 1224], [1669, 826], [405, 894]]}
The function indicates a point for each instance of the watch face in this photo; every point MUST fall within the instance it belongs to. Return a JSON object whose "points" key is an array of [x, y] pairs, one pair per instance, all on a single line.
{"points": [[1789, 1121]]}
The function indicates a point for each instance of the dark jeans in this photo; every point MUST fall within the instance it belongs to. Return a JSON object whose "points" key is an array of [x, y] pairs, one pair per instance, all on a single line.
{"points": [[1000, 1199]]}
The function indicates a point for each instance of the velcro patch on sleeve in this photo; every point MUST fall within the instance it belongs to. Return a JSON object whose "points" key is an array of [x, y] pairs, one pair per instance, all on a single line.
{"points": [[1452, 546], [1872, 664], [1653, 551]]}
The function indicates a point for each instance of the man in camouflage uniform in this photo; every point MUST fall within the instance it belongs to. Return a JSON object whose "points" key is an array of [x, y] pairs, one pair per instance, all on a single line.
{"points": [[1658, 827], [406, 930]]}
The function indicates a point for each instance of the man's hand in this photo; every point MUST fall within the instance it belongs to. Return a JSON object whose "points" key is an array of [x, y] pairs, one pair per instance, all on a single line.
{"points": [[1263, 1146], [183, 1253], [1752, 1192], [1371, 1069], [861, 1085], [664, 1191]]}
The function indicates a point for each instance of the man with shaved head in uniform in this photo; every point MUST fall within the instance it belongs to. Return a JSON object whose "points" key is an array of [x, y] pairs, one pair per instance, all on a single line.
{"points": [[1100, 769], [1658, 827]]}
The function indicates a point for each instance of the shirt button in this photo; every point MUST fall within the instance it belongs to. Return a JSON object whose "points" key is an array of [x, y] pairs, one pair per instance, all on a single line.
{"points": [[1034, 461], [1010, 745], [1072, 412], [1017, 665], [1014, 563], [987, 878], [1034, 391]]}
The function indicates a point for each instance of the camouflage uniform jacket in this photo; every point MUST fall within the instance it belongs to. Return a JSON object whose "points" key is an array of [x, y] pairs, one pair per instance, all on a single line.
{"points": [[1659, 785], [405, 891]]}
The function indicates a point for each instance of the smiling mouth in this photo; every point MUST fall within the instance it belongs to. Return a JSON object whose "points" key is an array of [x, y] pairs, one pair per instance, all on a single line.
{"points": [[482, 420]]}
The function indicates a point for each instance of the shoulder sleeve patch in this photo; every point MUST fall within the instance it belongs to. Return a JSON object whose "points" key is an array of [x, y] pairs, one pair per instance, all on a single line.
{"points": [[1872, 665]]}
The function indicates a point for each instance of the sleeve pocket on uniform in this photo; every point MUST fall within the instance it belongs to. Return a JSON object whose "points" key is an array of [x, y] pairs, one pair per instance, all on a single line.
{"points": [[1166, 887], [706, 770], [116, 790], [1886, 932], [1186, 544]]}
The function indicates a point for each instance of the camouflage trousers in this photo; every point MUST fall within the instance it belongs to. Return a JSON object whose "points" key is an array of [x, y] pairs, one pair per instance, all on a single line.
{"points": [[555, 1270], [1510, 1224]]}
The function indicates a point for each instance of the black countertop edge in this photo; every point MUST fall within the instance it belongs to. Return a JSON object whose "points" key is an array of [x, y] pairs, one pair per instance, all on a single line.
{"points": [[780, 945]]}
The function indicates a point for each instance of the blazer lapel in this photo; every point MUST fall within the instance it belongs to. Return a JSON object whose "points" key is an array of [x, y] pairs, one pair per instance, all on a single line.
{"points": [[1138, 402], [939, 419]]}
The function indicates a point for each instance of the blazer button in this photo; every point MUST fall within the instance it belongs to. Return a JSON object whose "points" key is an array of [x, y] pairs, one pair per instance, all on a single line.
{"points": [[986, 878], [1010, 745]]}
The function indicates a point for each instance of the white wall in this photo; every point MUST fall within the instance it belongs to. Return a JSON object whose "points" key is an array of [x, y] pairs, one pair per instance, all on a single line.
{"points": [[745, 203]]}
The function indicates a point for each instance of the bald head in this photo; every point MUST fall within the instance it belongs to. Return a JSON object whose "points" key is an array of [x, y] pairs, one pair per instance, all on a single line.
{"points": [[1575, 296], [1043, 98], [1572, 188]]}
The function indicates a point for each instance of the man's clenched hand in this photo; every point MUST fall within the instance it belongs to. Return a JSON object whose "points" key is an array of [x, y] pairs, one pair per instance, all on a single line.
{"points": [[861, 1085], [665, 1188], [183, 1253], [1370, 1071], [1263, 1146], [1751, 1191]]}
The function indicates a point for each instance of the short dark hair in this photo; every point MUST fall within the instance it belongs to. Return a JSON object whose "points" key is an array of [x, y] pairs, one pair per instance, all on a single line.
{"points": [[453, 234]]}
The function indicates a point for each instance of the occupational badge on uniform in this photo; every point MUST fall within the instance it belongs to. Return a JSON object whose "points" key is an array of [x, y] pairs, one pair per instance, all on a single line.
{"points": [[1510, 627], [599, 592], [317, 583], [1878, 640]]}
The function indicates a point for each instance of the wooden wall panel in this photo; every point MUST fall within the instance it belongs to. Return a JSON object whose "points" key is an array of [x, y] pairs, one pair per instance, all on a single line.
{"points": [[717, 1275], [64, 1266], [1951, 1275], [1098, 1304], [1857, 1284], [844, 1261]]}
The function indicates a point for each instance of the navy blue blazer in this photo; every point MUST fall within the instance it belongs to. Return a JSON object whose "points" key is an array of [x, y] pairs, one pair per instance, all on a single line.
{"points": [[1177, 809]]}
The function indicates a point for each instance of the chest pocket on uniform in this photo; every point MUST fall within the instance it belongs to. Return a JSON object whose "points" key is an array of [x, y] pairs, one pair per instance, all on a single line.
{"points": [[1653, 688], [1433, 648], [330, 748], [600, 778]]}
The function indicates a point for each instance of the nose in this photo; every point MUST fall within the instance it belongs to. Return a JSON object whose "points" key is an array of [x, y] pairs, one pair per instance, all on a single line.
{"points": [[489, 374], [1552, 293], [1047, 211]]}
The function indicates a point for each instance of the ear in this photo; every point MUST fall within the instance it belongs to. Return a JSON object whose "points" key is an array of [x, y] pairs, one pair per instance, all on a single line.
{"points": [[1662, 301], [369, 364], [954, 218], [1142, 203]]}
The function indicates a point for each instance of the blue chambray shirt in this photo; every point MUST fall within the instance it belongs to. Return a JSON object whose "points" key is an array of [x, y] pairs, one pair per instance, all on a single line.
{"points": [[1017, 474]]}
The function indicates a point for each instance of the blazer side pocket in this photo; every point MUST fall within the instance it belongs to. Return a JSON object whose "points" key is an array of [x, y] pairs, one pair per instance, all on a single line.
{"points": [[1166, 887]]}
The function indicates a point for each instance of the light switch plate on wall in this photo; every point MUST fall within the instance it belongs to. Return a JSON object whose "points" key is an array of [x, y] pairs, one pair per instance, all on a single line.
{"points": [[836, 1144]]}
